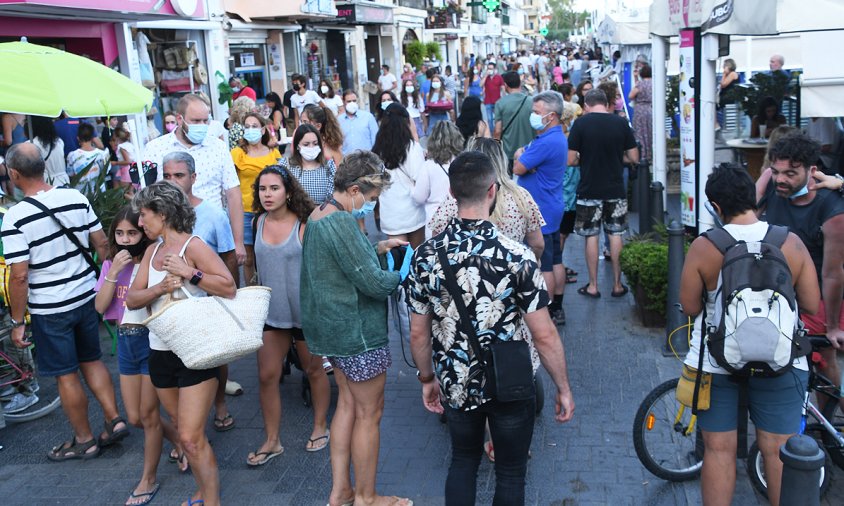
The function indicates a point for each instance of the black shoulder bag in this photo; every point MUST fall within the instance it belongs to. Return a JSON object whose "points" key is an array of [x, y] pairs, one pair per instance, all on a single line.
{"points": [[506, 364], [86, 254]]}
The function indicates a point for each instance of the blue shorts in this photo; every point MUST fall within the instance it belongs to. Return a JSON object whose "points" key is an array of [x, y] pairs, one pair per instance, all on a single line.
{"points": [[64, 340], [775, 403], [248, 238], [552, 254], [133, 350]]}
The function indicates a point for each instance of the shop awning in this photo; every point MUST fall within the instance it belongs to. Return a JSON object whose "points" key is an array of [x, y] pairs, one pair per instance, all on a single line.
{"points": [[135, 10], [291, 9]]}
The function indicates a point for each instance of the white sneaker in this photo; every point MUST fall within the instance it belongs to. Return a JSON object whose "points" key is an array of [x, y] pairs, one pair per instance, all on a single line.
{"points": [[20, 402], [233, 388]]}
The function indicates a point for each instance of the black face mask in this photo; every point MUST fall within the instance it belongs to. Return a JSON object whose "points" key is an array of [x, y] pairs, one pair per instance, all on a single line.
{"points": [[295, 87], [135, 250]]}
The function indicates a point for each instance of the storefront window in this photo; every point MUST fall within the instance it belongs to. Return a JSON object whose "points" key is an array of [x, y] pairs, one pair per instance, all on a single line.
{"points": [[250, 66]]}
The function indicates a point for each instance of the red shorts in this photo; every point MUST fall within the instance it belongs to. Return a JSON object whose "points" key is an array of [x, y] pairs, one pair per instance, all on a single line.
{"points": [[816, 323]]}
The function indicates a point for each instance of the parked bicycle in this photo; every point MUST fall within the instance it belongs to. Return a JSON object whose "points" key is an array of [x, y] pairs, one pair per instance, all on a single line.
{"points": [[669, 444]]}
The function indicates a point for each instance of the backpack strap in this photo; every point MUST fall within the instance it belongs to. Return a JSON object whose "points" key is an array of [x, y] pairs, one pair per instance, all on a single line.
{"points": [[776, 235], [721, 239]]}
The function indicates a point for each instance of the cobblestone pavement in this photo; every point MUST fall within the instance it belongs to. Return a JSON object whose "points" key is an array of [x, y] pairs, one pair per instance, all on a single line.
{"points": [[613, 363]]}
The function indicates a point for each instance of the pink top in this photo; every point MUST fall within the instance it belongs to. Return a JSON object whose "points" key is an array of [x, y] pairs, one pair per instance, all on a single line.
{"points": [[114, 312], [558, 75]]}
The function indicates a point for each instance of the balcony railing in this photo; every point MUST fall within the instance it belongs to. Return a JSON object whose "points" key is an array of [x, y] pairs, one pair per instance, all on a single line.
{"points": [[413, 4], [442, 19]]}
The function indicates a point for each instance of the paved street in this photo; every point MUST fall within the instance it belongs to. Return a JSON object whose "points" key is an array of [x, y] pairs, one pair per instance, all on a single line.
{"points": [[613, 363]]}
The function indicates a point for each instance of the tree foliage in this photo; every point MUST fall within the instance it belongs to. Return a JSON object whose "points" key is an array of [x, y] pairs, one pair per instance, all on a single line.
{"points": [[564, 19]]}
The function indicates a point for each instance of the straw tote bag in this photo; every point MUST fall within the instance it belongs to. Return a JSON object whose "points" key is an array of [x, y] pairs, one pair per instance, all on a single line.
{"points": [[207, 332]]}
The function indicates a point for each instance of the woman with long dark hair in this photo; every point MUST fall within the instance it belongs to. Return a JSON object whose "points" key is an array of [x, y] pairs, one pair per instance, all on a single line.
{"points": [[412, 101], [330, 99], [767, 116], [51, 146], [439, 105], [471, 121], [309, 165], [329, 129], [582, 88], [401, 218], [385, 98], [276, 117]]}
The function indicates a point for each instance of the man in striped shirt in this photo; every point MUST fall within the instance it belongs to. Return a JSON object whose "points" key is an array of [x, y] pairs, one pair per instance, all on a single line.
{"points": [[51, 276]]}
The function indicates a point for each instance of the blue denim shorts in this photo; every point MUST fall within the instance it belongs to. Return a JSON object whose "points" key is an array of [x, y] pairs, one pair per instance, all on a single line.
{"points": [[247, 228], [133, 350], [64, 340], [552, 254], [775, 403]]}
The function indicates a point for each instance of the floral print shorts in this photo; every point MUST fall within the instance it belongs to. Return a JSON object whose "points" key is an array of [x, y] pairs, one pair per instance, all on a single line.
{"points": [[365, 366]]}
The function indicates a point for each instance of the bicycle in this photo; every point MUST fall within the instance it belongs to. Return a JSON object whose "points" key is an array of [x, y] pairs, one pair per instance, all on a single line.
{"points": [[18, 385], [669, 444]]}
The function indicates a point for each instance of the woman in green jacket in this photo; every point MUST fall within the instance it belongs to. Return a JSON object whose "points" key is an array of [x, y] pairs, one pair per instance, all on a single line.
{"points": [[344, 290]]}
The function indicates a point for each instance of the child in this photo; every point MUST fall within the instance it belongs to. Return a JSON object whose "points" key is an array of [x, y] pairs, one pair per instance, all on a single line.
{"points": [[127, 244], [122, 145]]}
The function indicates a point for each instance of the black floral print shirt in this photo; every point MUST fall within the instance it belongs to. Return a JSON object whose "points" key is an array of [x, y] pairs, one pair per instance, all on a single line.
{"points": [[500, 281]]}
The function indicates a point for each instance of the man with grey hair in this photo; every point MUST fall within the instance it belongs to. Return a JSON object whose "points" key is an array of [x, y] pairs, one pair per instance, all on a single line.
{"points": [[601, 143], [47, 239], [541, 167], [212, 226]]}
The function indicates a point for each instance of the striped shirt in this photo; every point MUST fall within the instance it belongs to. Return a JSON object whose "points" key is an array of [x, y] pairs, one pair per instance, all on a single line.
{"points": [[59, 277]]}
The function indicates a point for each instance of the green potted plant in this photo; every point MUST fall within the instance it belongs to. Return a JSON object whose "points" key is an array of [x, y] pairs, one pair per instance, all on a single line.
{"points": [[414, 53], [644, 262], [432, 51], [762, 85]]}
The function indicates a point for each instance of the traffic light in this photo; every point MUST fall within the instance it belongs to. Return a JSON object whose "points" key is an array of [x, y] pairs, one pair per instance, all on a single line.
{"points": [[491, 5]]}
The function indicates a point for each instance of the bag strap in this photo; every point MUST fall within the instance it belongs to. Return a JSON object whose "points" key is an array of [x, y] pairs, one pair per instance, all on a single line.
{"points": [[699, 376], [443, 168], [776, 235], [457, 297], [86, 254], [514, 116], [721, 239]]}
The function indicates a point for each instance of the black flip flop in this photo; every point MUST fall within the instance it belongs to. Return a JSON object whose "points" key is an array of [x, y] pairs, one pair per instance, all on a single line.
{"points": [[583, 290], [622, 293], [571, 272]]}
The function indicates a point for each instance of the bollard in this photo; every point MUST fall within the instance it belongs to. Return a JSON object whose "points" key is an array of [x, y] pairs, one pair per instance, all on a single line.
{"points": [[643, 191], [657, 211], [678, 342], [802, 461]]}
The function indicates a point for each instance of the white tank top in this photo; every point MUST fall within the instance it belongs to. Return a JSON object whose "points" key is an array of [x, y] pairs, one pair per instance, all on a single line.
{"points": [[155, 277], [747, 233]]}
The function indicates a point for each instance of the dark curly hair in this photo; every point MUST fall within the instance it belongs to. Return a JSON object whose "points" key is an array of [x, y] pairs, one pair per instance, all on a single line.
{"points": [[128, 214], [394, 138], [797, 148], [298, 200], [732, 188]]}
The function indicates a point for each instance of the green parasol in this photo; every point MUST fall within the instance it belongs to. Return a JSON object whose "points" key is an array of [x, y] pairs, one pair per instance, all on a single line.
{"points": [[44, 81]]}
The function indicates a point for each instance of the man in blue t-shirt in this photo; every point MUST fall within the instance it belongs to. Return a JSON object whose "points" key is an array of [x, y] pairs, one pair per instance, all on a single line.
{"points": [[212, 226], [541, 167]]}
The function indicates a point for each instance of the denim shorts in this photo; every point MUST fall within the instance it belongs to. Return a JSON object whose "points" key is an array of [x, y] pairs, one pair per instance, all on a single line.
{"points": [[133, 350], [775, 403], [247, 229], [552, 254], [64, 340], [365, 366]]}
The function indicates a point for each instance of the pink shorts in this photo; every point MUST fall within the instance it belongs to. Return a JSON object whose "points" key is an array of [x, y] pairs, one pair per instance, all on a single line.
{"points": [[123, 174], [816, 323]]}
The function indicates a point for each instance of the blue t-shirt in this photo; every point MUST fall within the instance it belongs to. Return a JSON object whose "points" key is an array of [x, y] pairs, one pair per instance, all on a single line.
{"points": [[67, 129], [213, 227], [547, 154]]}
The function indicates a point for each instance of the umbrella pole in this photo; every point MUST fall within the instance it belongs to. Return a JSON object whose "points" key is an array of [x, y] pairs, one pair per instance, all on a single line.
{"points": [[29, 126]]}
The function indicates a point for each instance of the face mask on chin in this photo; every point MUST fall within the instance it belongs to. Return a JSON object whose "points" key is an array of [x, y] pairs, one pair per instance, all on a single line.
{"points": [[135, 250]]}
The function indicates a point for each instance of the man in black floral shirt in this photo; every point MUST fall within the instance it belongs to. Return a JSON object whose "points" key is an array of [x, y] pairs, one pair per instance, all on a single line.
{"points": [[506, 297]]}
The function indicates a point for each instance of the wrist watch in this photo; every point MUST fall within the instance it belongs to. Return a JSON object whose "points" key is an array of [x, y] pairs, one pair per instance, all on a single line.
{"points": [[16, 324], [424, 379], [197, 277], [840, 178]]}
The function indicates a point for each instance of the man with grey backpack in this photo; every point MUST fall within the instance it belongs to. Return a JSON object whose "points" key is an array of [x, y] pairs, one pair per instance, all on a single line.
{"points": [[743, 283]]}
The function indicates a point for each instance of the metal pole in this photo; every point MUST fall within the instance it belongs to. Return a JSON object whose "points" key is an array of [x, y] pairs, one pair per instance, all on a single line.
{"points": [[675, 342], [659, 57], [643, 190], [802, 461], [657, 210]]}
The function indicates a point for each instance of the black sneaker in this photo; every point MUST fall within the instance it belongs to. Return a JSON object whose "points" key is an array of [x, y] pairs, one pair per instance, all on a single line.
{"points": [[559, 316]]}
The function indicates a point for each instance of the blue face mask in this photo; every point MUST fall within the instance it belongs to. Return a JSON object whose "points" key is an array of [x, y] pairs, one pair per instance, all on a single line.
{"points": [[800, 192], [536, 121], [196, 133], [365, 209], [385, 104], [252, 135]]}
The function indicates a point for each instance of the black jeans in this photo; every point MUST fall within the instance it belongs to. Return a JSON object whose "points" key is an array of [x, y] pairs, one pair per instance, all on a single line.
{"points": [[511, 427]]}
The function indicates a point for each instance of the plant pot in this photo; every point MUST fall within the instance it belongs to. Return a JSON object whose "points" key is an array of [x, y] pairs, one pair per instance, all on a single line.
{"points": [[649, 317]]}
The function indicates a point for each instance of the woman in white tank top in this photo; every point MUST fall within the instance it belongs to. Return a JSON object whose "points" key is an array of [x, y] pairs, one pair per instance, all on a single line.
{"points": [[180, 261]]}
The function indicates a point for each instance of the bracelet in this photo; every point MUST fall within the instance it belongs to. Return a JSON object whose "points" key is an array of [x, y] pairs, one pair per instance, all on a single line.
{"points": [[110, 280], [840, 178]]}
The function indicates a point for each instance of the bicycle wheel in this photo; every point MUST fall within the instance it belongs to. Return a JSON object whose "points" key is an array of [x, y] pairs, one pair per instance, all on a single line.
{"points": [[835, 415], [666, 442], [37, 410], [756, 471]]}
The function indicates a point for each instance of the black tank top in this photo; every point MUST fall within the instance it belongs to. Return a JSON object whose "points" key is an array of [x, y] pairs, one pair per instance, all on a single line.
{"points": [[805, 221]]}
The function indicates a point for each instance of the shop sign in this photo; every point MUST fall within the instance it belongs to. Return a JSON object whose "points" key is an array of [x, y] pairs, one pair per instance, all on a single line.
{"points": [[318, 7], [688, 164], [357, 13], [184, 8]]}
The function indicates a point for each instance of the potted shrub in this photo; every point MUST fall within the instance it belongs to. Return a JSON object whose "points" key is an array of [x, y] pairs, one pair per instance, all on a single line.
{"points": [[644, 262]]}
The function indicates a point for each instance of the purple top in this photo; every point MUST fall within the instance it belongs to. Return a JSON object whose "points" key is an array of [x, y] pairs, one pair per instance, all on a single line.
{"points": [[114, 312]]}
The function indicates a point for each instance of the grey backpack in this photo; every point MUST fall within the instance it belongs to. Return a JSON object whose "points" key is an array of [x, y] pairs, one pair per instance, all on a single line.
{"points": [[755, 330]]}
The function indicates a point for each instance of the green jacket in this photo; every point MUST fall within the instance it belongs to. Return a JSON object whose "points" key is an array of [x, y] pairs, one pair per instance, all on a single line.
{"points": [[344, 288]]}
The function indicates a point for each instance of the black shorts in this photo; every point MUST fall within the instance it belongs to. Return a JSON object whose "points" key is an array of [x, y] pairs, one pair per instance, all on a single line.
{"points": [[567, 225], [295, 333], [166, 370]]}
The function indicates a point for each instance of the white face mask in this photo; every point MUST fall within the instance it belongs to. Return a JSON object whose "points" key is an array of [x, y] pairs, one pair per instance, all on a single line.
{"points": [[436, 85], [352, 108], [409, 89], [309, 153], [323, 89]]}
